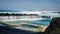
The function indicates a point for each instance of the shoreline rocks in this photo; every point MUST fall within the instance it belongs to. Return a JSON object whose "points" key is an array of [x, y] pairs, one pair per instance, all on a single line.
{"points": [[54, 27]]}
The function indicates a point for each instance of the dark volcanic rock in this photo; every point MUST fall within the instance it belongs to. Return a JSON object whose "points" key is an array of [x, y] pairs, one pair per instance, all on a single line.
{"points": [[54, 27]]}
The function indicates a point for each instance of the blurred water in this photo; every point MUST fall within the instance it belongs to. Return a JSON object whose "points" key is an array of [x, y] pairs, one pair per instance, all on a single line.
{"points": [[41, 22], [38, 22]]}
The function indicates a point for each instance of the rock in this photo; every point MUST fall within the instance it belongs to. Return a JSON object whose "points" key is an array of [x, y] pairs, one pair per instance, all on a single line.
{"points": [[54, 27]]}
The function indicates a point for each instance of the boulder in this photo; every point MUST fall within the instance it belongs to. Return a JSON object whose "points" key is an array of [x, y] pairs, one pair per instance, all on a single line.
{"points": [[54, 27]]}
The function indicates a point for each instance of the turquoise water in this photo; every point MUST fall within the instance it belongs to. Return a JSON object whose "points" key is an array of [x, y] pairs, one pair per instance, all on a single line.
{"points": [[41, 22], [38, 22], [30, 26]]}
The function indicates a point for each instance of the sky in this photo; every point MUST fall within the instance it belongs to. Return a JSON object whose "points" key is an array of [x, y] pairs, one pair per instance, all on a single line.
{"points": [[44, 5]]}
